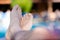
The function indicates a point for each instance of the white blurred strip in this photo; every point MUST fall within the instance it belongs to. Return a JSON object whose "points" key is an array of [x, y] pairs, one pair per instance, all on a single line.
{"points": [[6, 20]]}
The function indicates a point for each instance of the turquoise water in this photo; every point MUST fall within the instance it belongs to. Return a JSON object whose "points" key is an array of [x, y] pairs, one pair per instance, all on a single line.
{"points": [[2, 34], [2, 31], [41, 24]]}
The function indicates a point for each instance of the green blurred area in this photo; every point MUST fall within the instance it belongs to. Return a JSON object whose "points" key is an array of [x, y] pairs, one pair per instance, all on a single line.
{"points": [[25, 5]]}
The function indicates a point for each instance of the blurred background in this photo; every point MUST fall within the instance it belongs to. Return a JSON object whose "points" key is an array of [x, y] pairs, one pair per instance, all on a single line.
{"points": [[46, 13]]}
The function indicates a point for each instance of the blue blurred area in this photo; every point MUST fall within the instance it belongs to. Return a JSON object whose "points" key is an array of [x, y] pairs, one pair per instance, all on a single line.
{"points": [[41, 24], [2, 34]]}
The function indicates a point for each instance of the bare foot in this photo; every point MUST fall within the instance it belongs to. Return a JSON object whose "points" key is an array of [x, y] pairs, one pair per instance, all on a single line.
{"points": [[14, 27], [26, 22]]}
